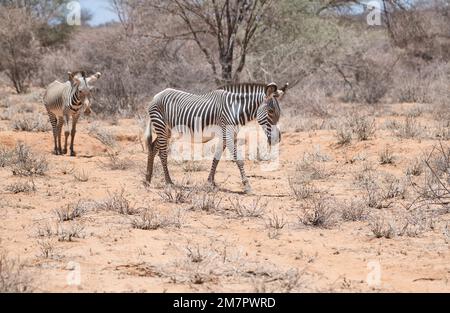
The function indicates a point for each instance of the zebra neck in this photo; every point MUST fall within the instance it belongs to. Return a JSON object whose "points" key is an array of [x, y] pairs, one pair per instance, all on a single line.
{"points": [[248, 106], [75, 100]]}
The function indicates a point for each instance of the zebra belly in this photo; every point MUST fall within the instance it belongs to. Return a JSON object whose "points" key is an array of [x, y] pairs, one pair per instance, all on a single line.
{"points": [[197, 135]]}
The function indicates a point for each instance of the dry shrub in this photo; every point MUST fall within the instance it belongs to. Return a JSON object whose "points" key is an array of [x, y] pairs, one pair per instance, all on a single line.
{"points": [[46, 247], [256, 208], [31, 122], [343, 133], [409, 128], [81, 175], [380, 192], [72, 211], [24, 162], [435, 188], [117, 163], [362, 126], [301, 188], [386, 156], [13, 278], [208, 202], [193, 166], [415, 167], [355, 210], [274, 224], [369, 80], [319, 212], [117, 202], [311, 170], [69, 232], [63, 231], [21, 187], [105, 136], [152, 220], [382, 228], [5, 156], [176, 194], [417, 222]]}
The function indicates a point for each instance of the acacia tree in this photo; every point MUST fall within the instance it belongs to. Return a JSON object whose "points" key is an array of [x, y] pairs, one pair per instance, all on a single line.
{"points": [[223, 30], [19, 49]]}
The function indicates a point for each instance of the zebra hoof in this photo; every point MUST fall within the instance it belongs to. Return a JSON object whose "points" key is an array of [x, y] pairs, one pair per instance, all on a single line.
{"points": [[64, 152], [72, 153], [248, 190]]}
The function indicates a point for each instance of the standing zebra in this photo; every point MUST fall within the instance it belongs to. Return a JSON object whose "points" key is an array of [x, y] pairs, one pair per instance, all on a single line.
{"points": [[65, 100], [228, 108]]}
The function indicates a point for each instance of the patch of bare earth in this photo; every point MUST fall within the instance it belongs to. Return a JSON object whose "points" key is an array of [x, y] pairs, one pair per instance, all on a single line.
{"points": [[331, 217]]}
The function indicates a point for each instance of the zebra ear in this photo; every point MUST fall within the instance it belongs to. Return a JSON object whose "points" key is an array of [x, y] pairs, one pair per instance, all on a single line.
{"points": [[71, 75], [270, 89]]}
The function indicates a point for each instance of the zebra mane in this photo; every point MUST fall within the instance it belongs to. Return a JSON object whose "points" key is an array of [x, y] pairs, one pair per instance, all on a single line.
{"points": [[244, 87]]}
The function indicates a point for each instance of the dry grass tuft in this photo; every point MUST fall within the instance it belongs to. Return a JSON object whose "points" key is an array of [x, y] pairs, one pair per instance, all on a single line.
{"points": [[13, 277], [386, 156], [319, 212], [21, 187], [152, 220], [24, 162], [117, 202], [176, 194], [256, 208], [72, 211], [30, 122]]}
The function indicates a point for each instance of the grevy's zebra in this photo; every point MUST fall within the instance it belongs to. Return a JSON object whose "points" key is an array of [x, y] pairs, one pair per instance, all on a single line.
{"points": [[65, 100], [228, 107]]}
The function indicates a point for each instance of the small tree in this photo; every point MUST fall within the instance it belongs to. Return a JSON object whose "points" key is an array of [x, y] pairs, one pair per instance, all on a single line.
{"points": [[223, 30], [19, 49]]}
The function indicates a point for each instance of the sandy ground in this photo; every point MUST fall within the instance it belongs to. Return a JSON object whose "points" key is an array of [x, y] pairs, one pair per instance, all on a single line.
{"points": [[216, 250]]}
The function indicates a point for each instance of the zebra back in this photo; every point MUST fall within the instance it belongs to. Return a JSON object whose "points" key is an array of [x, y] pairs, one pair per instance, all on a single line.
{"points": [[57, 94]]}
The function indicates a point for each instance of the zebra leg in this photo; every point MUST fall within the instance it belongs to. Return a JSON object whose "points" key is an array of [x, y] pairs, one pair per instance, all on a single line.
{"points": [[232, 147], [66, 133], [54, 122], [152, 149], [59, 130], [72, 134], [163, 149], [217, 155]]}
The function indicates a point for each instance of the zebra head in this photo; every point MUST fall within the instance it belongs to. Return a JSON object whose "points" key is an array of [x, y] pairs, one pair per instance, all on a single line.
{"points": [[82, 87], [269, 111]]}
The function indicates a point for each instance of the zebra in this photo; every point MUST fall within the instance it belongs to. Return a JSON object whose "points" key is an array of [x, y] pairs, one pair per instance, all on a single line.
{"points": [[65, 100], [228, 108]]}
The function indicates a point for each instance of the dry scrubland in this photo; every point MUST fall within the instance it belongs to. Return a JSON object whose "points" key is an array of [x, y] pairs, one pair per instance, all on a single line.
{"points": [[340, 200]]}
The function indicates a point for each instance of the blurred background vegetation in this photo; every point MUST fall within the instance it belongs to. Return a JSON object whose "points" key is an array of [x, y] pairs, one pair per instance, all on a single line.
{"points": [[325, 48]]}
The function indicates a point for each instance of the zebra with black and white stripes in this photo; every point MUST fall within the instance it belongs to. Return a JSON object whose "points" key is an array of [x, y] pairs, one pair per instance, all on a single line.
{"points": [[66, 100], [228, 108]]}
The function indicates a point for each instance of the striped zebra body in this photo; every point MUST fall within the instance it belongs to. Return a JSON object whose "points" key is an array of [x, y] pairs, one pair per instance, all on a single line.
{"points": [[65, 101], [227, 108]]}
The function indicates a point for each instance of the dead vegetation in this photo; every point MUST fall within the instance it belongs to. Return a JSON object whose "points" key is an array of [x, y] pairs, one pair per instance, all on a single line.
{"points": [[13, 275], [256, 208], [319, 211], [151, 220], [23, 162], [72, 211], [117, 202], [116, 163], [30, 122], [25, 186], [176, 194]]}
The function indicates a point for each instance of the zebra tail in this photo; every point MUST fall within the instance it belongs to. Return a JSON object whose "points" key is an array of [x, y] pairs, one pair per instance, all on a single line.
{"points": [[148, 134]]}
